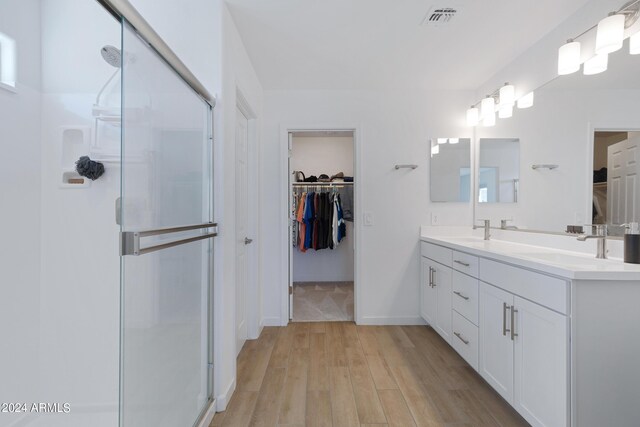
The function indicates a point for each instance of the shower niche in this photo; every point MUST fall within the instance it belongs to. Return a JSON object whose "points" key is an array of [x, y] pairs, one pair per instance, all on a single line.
{"points": [[75, 143]]}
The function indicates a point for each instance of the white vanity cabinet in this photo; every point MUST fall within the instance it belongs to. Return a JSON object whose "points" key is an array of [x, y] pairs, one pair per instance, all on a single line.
{"points": [[435, 295]]}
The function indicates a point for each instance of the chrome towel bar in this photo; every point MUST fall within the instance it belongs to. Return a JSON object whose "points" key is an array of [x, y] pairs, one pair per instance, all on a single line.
{"points": [[130, 240]]}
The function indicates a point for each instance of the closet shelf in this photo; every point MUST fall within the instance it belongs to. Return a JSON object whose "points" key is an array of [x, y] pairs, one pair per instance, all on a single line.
{"points": [[320, 184]]}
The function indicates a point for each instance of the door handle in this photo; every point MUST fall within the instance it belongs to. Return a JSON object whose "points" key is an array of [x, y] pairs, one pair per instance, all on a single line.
{"points": [[130, 240], [464, 297], [513, 323], [505, 307], [247, 240]]}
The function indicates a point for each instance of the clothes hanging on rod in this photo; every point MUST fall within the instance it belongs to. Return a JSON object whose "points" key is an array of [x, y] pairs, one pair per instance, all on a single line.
{"points": [[319, 222]]}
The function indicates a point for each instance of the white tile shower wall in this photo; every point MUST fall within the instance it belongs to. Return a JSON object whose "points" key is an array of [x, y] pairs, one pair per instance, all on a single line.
{"points": [[315, 156], [20, 210], [395, 127]]}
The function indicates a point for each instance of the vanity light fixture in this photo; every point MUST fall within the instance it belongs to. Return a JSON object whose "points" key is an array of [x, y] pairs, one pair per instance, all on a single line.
{"points": [[505, 112], [610, 35], [454, 140], [507, 95], [488, 107], [596, 65], [473, 116], [442, 141], [489, 120], [526, 101], [634, 44], [569, 58]]}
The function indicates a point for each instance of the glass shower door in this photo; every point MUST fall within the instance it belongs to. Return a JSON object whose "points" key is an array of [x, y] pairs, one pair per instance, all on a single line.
{"points": [[166, 244]]}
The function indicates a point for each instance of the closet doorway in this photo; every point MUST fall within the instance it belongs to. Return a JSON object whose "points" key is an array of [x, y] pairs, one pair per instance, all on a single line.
{"points": [[321, 208]]}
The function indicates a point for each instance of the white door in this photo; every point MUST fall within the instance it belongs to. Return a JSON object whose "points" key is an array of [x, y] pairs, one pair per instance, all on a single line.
{"points": [[290, 222], [495, 344], [541, 375], [442, 277], [623, 166], [242, 219], [428, 294]]}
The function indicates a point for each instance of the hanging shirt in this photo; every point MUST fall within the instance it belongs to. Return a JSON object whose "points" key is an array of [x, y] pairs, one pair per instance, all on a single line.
{"points": [[308, 220], [300, 220]]}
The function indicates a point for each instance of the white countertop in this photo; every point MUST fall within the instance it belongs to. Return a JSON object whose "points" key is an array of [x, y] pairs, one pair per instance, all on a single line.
{"points": [[566, 264]]}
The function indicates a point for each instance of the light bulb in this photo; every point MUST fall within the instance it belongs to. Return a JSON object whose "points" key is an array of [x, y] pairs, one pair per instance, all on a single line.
{"points": [[454, 140], [473, 116], [610, 35], [569, 58], [596, 65], [526, 101], [488, 107], [489, 120], [634, 44], [507, 95], [505, 112]]}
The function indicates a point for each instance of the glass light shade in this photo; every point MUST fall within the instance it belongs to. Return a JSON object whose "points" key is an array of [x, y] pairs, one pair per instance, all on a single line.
{"points": [[442, 141], [610, 35], [505, 112], [473, 116], [507, 95], [569, 58], [488, 107], [526, 101], [489, 120], [454, 140], [634, 44], [596, 65]]}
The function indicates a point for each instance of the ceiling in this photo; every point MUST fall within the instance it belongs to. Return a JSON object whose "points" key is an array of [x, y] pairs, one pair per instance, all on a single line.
{"points": [[380, 44]]}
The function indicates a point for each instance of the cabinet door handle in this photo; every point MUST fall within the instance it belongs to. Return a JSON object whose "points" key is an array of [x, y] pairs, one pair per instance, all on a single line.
{"points": [[505, 307], [433, 278], [461, 263], [459, 335], [513, 323], [430, 277], [464, 297]]}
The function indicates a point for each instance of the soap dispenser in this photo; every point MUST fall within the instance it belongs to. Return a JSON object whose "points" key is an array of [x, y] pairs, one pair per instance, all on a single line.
{"points": [[632, 243]]}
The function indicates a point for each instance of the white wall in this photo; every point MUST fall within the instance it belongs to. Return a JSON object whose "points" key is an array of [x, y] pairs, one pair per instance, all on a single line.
{"points": [[394, 127], [20, 212], [318, 155]]}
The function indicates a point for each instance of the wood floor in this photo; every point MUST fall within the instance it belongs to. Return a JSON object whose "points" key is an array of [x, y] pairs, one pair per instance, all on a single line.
{"points": [[340, 374]]}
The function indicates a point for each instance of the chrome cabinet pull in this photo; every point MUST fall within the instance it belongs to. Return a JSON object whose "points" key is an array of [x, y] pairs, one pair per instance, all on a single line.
{"points": [[464, 297], [430, 277], [505, 307], [513, 323], [461, 263], [459, 335], [433, 278]]}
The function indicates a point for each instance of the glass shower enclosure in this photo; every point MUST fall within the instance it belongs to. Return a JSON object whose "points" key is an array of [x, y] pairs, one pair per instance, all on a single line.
{"points": [[106, 264]]}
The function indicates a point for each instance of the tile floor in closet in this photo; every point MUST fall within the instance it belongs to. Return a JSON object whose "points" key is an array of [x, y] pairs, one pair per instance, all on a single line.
{"points": [[340, 374], [322, 301]]}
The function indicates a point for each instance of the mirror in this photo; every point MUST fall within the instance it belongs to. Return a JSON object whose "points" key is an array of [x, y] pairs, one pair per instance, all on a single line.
{"points": [[450, 170], [561, 145], [499, 170]]}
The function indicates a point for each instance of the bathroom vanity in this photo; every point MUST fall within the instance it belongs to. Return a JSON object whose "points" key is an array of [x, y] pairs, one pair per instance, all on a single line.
{"points": [[554, 332]]}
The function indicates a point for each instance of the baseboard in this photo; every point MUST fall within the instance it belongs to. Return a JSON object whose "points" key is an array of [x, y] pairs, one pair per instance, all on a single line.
{"points": [[388, 321], [271, 321], [208, 415], [223, 400]]}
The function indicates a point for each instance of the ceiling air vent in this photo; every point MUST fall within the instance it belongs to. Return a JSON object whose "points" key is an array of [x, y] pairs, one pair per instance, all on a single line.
{"points": [[438, 16]]}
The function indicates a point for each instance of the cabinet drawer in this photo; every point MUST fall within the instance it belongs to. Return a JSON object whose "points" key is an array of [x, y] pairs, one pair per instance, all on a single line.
{"points": [[466, 263], [548, 291], [465, 296], [465, 339], [436, 253]]}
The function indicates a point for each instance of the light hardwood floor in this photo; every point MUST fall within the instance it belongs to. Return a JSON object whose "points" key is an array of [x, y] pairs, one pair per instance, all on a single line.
{"points": [[340, 374]]}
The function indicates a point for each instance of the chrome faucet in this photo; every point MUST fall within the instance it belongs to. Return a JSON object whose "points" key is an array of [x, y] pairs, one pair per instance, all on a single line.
{"points": [[504, 226], [601, 235], [487, 228]]}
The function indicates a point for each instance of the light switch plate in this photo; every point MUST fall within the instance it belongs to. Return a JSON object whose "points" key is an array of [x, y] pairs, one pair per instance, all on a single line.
{"points": [[368, 219]]}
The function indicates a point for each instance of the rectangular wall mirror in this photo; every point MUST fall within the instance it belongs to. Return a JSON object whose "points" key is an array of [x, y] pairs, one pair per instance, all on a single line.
{"points": [[499, 170], [450, 170]]}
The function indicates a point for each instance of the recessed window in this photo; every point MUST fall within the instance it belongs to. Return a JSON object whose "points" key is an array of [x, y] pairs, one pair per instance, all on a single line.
{"points": [[7, 62]]}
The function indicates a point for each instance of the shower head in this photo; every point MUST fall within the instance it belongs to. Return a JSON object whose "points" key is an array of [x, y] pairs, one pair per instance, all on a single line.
{"points": [[112, 55]]}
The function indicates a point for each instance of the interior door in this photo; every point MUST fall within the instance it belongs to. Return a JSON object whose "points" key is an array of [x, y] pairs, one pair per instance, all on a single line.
{"points": [[242, 238], [166, 243], [290, 223], [495, 344], [541, 362], [623, 200]]}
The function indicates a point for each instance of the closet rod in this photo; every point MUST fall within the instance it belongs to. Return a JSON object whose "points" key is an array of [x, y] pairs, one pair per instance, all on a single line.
{"points": [[320, 184]]}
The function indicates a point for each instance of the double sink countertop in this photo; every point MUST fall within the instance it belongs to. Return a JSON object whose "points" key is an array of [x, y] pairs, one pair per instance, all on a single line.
{"points": [[562, 263]]}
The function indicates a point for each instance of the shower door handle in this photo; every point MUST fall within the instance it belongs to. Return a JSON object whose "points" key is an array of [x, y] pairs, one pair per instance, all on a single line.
{"points": [[130, 240]]}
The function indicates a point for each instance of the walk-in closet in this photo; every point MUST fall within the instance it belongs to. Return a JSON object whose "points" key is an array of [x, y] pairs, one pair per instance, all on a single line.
{"points": [[322, 198]]}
